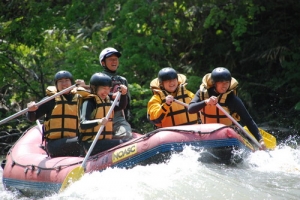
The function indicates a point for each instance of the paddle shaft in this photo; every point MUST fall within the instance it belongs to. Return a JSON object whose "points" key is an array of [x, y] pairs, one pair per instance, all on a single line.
{"points": [[37, 104], [181, 103], [237, 124], [83, 164], [231, 118]]}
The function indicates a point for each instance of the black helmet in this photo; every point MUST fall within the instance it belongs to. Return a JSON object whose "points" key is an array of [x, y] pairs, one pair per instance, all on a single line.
{"points": [[167, 73], [220, 74], [99, 79], [63, 74]]}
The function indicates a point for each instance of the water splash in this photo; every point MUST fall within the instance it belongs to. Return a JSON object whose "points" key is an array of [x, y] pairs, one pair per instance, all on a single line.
{"points": [[283, 159], [261, 175]]}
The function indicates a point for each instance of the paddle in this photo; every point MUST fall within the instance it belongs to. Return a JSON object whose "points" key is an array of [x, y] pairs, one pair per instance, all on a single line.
{"points": [[181, 103], [78, 172], [238, 125], [37, 104], [270, 140]]}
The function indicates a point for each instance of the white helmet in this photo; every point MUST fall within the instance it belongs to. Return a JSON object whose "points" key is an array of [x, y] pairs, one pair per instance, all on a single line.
{"points": [[108, 52]]}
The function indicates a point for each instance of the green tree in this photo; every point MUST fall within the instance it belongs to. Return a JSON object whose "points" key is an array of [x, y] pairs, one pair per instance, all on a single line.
{"points": [[256, 40]]}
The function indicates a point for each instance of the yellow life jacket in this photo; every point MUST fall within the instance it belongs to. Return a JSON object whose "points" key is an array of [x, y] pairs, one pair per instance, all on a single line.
{"points": [[178, 114], [63, 121], [102, 108], [211, 113]]}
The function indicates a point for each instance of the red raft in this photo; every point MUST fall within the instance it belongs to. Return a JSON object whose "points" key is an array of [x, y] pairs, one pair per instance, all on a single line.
{"points": [[28, 169]]}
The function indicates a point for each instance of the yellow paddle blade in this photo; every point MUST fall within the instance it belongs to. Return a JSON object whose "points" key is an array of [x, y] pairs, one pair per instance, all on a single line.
{"points": [[72, 176], [247, 143], [270, 140]]}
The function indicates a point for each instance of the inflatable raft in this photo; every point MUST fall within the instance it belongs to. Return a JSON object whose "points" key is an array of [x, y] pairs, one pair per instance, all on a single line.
{"points": [[28, 169]]}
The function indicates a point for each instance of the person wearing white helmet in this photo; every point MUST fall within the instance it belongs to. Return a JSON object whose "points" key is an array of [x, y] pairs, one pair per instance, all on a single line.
{"points": [[109, 60]]}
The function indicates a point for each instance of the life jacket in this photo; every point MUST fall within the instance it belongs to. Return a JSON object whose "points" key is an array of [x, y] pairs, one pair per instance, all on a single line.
{"points": [[211, 113], [102, 108], [63, 121], [178, 114]]}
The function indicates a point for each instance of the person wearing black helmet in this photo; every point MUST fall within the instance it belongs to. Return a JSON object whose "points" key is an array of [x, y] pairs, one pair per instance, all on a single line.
{"points": [[109, 60], [162, 111], [220, 87], [60, 117], [93, 112]]}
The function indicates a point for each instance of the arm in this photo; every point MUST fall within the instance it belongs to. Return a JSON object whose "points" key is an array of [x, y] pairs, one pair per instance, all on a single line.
{"points": [[88, 106], [120, 80], [157, 110], [42, 110], [127, 108], [196, 104], [122, 103], [235, 104], [81, 83], [128, 93]]}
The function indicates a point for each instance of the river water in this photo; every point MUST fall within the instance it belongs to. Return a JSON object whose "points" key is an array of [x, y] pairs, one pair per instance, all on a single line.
{"points": [[262, 175]]}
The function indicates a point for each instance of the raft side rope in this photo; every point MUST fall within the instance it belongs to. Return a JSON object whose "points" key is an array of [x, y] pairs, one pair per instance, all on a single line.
{"points": [[180, 130], [38, 168]]}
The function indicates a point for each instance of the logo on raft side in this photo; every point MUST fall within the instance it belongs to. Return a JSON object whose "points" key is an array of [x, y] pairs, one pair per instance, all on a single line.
{"points": [[124, 153]]}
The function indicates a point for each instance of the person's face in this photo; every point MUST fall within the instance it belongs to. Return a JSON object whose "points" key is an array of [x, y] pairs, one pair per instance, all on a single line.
{"points": [[170, 85], [63, 83], [111, 62], [222, 86], [103, 91]]}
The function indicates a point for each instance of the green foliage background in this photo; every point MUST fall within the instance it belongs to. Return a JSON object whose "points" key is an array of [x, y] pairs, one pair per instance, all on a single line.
{"points": [[258, 41]]}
